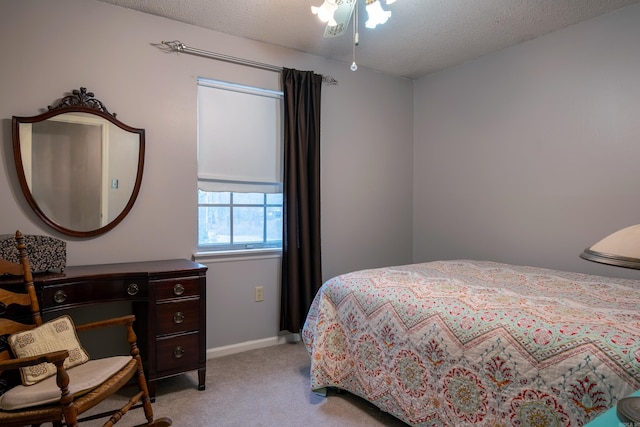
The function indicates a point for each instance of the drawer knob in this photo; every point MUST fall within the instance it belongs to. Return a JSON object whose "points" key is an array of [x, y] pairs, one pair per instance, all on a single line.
{"points": [[60, 296], [178, 289], [178, 317], [133, 289], [178, 352]]}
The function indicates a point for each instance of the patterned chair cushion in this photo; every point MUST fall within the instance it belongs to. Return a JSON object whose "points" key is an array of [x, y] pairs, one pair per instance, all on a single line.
{"points": [[82, 379], [57, 334]]}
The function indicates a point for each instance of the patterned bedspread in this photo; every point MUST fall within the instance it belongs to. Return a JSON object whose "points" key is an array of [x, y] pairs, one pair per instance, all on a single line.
{"points": [[461, 343]]}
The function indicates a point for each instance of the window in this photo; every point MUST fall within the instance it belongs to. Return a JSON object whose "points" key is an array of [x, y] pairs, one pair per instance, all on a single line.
{"points": [[229, 220], [239, 167]]}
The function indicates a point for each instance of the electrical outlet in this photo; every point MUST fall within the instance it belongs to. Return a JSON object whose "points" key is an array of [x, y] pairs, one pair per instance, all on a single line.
{"points": [[259, 293]]}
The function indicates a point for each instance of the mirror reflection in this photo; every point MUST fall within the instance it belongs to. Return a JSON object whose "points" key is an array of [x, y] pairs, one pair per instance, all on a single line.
{"points": [[79, 167]]}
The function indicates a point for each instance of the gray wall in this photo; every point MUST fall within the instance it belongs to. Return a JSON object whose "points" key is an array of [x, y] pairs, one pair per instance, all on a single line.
{"points": [[524, 156], [530, 154], [49, 48]]}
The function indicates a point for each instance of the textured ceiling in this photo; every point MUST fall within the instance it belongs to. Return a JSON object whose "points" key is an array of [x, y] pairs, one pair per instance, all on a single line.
{"points": [[421, 37]]}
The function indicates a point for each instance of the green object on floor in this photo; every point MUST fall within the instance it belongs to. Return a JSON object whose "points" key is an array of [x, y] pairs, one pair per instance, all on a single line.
{"points": [[610, 418]]}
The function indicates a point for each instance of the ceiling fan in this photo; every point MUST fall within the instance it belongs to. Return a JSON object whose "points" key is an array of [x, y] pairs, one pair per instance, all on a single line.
{"points": [[337, 14]]}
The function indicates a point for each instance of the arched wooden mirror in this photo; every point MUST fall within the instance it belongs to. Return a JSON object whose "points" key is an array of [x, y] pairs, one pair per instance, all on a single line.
{"points": [[79, 167]]}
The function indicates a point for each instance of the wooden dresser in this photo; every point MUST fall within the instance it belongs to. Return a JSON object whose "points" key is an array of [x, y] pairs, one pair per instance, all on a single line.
{"points": [[168, 298]]}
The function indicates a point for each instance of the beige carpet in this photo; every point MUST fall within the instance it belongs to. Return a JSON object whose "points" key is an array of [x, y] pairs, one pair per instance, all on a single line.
{"points": [[265, 387]]}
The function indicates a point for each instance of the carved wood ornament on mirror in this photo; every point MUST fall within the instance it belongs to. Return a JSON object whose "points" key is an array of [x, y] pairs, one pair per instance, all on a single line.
{"points": [[79, 167]]}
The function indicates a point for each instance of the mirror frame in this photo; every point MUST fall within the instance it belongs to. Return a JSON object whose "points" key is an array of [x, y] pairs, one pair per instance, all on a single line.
{"points": [[80, 101]]}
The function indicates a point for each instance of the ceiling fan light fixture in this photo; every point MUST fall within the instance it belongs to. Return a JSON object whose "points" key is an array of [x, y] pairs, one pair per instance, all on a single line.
{"points": [[338, 14], [377, 15], [326, 12]]}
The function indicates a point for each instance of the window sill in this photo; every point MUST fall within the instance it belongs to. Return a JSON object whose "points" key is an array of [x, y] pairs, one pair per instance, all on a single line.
{"points": [[236, 255]]}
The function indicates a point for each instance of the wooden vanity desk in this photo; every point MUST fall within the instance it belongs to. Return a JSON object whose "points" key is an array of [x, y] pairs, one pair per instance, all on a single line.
{"points": [[168, 299]]}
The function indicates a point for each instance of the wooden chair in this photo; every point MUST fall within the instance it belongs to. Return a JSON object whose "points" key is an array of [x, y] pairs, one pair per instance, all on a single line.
{"points": [[19, 312]]}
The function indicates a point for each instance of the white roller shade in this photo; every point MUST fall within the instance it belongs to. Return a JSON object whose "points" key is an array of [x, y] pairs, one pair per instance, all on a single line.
{"points": [[239, 138]]}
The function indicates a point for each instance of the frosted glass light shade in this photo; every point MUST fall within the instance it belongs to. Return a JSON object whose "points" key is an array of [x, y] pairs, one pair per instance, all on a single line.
{"points": [[326, 12], [621, 249], [377, 15]]}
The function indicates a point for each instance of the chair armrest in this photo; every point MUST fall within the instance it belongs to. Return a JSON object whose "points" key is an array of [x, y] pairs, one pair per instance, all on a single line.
{"points": [[53, 357], [62, 377], [124, 320]]}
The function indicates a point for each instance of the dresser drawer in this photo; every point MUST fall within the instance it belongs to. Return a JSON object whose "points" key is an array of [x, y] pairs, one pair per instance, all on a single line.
{"points": [[71, 294], [177, 352], [175, 288], [178, 316]]}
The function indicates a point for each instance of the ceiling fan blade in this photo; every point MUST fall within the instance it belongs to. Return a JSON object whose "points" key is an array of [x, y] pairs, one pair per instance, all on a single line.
{"points": [[342, 16]]}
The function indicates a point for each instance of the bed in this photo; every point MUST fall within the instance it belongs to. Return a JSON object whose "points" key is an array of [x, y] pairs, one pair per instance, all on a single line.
{"points": [[477, 343]]}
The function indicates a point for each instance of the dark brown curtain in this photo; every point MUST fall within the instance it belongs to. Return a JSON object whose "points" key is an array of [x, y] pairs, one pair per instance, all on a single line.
{"points": [[301, 261]]}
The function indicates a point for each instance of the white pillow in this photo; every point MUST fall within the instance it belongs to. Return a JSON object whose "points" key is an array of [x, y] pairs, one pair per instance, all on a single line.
{"points": [[54, 335]]}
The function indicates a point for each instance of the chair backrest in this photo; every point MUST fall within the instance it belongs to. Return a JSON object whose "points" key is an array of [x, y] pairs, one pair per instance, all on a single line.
{"points": [[19, 308]]}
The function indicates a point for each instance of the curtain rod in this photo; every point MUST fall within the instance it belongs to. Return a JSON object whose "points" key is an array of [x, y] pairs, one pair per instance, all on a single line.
{"points": [[178, 46]]}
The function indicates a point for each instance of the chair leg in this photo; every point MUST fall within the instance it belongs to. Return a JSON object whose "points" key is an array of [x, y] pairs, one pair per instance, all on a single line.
{"points": [[69, 410], [142, 385], [140, 378], [143, 395], [117, 415]]}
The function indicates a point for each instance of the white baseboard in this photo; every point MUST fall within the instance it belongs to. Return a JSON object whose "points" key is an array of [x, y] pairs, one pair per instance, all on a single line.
{"points": [[226, 350]]}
